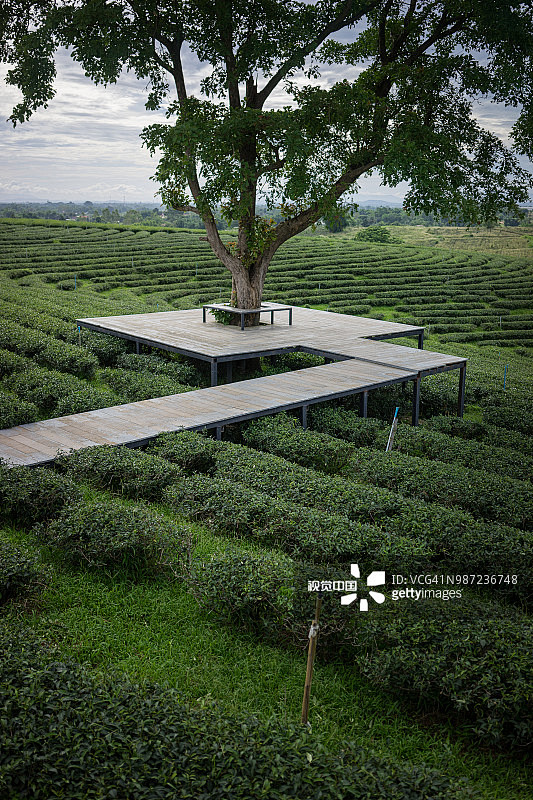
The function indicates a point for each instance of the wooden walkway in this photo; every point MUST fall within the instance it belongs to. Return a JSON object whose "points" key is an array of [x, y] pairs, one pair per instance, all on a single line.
{"points": [[135, 424], [359, 366]]}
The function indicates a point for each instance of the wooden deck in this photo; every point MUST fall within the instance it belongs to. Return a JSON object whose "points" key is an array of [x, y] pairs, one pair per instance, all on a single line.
{"points": [[359, 366], [184, 332]]}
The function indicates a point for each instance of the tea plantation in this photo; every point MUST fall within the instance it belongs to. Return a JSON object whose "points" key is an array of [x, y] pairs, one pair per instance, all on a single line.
{"points": [[154, 604]]}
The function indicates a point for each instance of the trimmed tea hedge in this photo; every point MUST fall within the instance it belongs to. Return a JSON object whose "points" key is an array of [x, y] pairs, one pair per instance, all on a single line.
{"points": [[191, 451], [107, 349], [44, 387], [120, 469], [12, 362], [468, 656], [142, 385], [14, 411], [285, 437], [120, 537], [20, 573], [505, 500], [47, 351], [183, 373], [455, 539], [85, 398], [296, 529], [428, 441], [28, 496], [140, 741], [486, 496]]}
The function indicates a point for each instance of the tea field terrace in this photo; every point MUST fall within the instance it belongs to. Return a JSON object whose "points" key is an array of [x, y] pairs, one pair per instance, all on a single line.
{"points": [[447, 685], [458, 295]]}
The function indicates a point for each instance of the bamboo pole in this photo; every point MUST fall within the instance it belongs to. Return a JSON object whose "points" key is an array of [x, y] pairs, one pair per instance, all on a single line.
{"points": [[313, 634]]}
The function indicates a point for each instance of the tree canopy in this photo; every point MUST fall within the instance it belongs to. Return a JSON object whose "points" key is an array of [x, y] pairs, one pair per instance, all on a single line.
{"points": [[413, 72]]}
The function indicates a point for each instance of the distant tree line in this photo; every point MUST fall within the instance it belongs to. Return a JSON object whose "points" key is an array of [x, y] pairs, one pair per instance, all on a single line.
{"points": [[144, 214], [127, 213], [385, 215]]}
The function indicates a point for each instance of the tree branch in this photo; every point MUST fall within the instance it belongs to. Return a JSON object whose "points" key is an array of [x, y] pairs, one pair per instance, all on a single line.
{"points": [[339, 22], [290, 227], [382, 32], [188, 208], [442, 29], [278, 164]]}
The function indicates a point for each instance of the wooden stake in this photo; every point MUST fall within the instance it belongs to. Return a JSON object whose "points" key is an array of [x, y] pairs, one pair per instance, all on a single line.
{"points": [[313, 634]]}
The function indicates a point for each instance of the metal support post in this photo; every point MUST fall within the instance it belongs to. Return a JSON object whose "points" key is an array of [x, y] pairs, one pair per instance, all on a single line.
{"points": [[416, 400], [137, 348], [421, 340], [304, 417], [363, 404], [214, 372], [461, 397], [229, 371], [218, 431]]}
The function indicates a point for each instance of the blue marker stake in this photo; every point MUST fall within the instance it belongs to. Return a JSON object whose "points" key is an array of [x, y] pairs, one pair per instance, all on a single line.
{"points": [[505, 375], [75, 284]]}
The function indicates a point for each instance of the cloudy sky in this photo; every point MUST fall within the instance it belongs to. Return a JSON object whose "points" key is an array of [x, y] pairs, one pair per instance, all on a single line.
{"points": [[86, 146]]}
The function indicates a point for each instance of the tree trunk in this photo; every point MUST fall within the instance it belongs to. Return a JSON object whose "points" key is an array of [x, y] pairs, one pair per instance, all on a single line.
{"points": [[247, 291]]}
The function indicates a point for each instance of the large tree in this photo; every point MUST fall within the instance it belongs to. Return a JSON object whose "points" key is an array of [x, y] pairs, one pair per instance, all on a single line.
{"points": [[413, 71]]}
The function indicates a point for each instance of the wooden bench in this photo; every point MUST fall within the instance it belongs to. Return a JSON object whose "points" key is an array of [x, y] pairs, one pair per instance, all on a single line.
{"points": [[269, 308]]}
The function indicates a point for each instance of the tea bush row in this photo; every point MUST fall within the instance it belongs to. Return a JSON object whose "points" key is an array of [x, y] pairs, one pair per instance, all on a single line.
{"points": [[181, 372], [121, 470], [118, 537], [37, 320], [298, 530], [12, 362], [141, 385], [14, 411], [46, 350], [29, 496], [463, 657], [58, 393], [501, 499], [497, 498], [141, 741], [235, 509], [455, 540], [107, 349], [520, 335], [21, 574], [481, 432], [425, 441], [512, 413]]}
